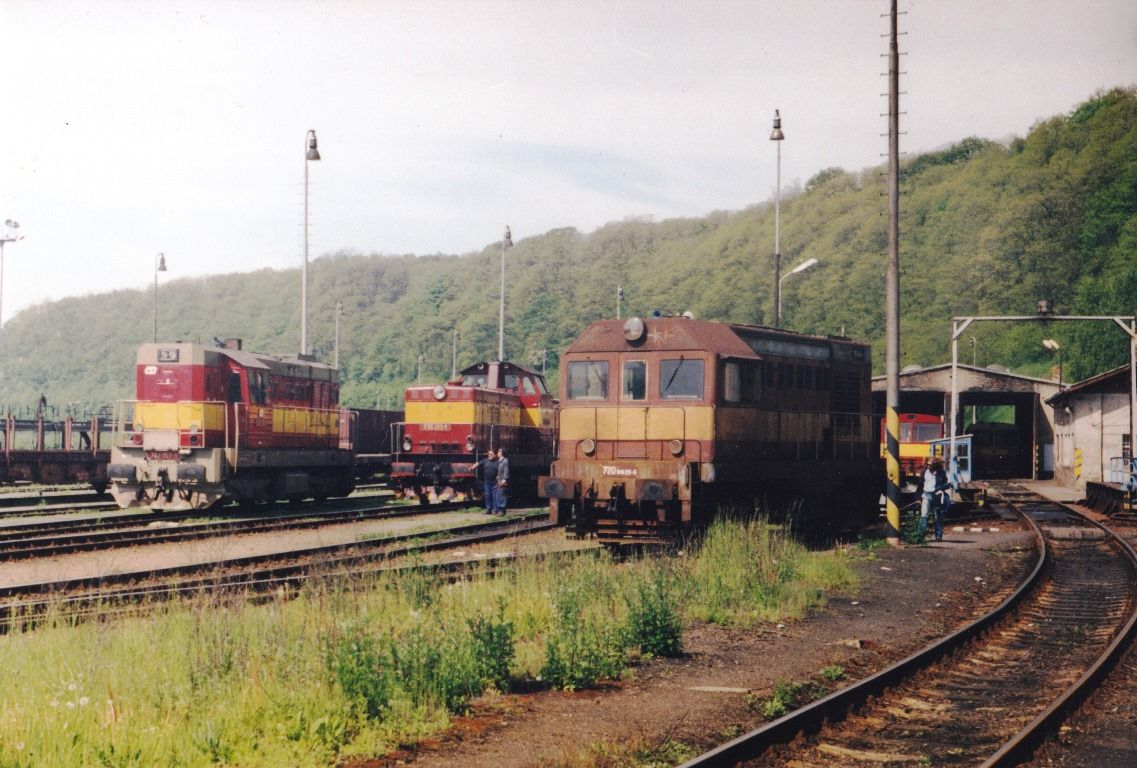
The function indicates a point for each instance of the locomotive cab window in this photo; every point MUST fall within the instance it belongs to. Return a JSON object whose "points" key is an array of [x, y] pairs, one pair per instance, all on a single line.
{"points": [[681, 379], [633, 379], [588, 380], [741, 382]]}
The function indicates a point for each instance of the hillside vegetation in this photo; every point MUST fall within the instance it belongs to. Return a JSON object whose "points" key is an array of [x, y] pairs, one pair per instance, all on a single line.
{"points": [[986, 229]]}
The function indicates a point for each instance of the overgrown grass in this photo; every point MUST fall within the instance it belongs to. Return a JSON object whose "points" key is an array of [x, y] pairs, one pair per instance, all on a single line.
{"points": [[357, 668], [746, 572]]}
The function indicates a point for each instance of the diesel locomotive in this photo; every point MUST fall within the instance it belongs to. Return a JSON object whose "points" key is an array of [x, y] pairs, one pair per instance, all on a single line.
{"points": [[448, 427], [211, 423], [665, 420]]}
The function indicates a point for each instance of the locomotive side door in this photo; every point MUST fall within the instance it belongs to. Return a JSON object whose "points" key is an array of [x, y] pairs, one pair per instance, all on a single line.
{"points": [[235, 413], [631, 409]]}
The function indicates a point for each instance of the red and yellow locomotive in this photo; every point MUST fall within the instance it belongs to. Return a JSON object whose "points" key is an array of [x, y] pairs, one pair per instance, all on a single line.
{"points": [[664, 419], [448, 427], [213, 423]]}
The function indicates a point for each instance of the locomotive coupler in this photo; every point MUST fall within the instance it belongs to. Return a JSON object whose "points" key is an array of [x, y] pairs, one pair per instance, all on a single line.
{"points": [[163, 486]]}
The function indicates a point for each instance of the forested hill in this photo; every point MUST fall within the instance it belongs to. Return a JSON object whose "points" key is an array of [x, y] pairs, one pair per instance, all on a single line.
{"points": [[986, 229]]}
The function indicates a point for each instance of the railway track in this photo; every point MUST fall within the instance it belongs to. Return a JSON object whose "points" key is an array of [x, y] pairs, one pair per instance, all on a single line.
{"points": [[52, 501], [987, 694], [25, 605], [54, 538]]}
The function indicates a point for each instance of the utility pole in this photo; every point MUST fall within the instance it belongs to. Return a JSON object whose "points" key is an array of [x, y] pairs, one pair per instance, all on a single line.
{"points": [[506, 242], [776, 135], [892, 294]]}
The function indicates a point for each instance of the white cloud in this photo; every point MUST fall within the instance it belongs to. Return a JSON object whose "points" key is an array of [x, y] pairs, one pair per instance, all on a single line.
{"points": [[137, 127]]}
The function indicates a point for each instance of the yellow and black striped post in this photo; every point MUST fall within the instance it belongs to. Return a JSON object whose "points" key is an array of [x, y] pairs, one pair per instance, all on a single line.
{"points": [[892, 471]]}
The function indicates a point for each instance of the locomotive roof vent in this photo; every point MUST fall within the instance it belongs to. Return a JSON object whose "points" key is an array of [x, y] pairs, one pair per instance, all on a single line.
{"points": [[634, 330]]}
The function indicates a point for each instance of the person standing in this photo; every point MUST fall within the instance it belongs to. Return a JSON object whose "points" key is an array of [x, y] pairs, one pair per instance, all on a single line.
{"points": [[488, 468], [935, 490], [502, 481]]}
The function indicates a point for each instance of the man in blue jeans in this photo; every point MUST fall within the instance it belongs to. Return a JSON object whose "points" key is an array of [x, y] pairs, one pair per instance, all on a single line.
{"points": [[488, 468], [935, 496]]}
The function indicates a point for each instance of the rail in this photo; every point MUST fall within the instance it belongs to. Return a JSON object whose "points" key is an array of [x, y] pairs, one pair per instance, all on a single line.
{"points": [[811, 717], [1079, 574]]}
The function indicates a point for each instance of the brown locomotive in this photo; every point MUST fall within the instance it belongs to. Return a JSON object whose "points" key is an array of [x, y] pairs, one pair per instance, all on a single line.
{"points": [[664, 420]]}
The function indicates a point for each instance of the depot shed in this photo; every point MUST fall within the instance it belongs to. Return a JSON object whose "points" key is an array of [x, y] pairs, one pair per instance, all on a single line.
{"points": [[1092, 430], [928, 390]]}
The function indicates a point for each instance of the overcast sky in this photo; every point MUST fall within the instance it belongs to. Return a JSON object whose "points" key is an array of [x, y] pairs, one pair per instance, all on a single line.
{"points": [[133, 128]]}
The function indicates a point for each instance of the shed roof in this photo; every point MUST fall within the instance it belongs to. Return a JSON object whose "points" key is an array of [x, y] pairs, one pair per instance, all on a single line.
{"points": [[1115, 381]]}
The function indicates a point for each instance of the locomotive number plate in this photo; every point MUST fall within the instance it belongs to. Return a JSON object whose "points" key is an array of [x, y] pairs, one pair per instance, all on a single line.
{"points": [[434, 427], [610, 471], [161, 455]]}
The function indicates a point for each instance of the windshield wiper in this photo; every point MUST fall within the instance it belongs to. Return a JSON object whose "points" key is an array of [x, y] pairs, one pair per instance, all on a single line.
{"points": [[674, 373]]}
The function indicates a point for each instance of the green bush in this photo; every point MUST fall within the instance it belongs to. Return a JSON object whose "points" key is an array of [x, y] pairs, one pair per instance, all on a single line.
{"points": [[584, 644], [360, 665], [494, 649], [653, 622]]}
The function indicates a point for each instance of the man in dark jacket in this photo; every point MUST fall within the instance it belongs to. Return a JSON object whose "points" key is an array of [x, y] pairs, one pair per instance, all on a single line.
{"points": [[488, 468]]}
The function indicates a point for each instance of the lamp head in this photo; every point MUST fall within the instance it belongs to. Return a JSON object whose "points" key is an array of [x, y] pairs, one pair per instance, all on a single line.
{"points": [[1051, 344], [776, 134], [801, 267], [161, 262], [313, 151]]}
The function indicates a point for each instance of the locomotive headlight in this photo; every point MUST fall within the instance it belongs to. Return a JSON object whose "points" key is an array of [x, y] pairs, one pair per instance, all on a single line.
{"points": [[676, 447], [440, 392], [588, 445], [634, 329], [407, 444]]}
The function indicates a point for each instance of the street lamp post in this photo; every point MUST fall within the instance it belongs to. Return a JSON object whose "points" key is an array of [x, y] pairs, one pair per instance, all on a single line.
{"points": [[159, 266], [619, 299], [339, 312], [311, 154], [799, 268], [777, 136], [419, 378], [454, 357], [9, 236], [506, 242]]}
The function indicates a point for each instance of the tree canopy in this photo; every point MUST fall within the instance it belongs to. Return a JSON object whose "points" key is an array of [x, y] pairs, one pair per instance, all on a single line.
{"points": [[986, 229]]}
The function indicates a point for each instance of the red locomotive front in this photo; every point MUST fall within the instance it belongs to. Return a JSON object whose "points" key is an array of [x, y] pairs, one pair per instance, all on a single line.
{"points": [[210, 423], [448, 426]]}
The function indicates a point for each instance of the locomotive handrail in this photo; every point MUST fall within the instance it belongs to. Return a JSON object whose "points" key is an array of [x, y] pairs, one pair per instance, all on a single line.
{"points": [[236, 448]]}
